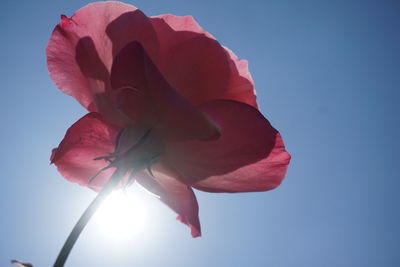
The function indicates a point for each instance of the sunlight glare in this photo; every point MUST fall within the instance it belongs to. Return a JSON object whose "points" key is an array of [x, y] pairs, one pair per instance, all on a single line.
{"points": [[121, 215]]}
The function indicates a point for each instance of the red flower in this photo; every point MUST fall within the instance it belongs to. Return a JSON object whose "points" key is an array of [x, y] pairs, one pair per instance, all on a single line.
{"points": [[165, 100]]}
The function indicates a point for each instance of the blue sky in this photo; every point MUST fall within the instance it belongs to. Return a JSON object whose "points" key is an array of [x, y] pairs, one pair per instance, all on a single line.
{"points": [[327, 74]]}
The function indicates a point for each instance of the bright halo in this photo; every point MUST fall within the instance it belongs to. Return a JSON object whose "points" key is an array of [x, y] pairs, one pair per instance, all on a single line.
{"points": [[121, 215]]}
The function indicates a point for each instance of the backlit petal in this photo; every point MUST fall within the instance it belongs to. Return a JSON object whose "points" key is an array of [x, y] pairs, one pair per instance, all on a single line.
{"points": [[151, 100], [197, 66], [248, 156], [262, 175], [81, 49], [241, 85], [178, 196], [88, 138]]}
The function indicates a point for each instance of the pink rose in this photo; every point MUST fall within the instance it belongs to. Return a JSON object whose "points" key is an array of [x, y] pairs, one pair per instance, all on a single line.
{"points": [[165, 101]]}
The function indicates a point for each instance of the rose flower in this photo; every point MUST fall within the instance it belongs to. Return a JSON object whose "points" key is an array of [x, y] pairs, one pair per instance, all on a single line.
{"points": [[169, 108]]}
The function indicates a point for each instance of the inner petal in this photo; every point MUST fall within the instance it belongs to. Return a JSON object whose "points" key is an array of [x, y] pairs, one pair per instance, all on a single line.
{"points": [[160, 105]]}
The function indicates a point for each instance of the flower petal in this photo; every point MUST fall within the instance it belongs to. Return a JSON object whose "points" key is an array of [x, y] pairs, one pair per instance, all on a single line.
{"points": [[197, 66], [177, 23], [194, 64], [98, 77], [178, 196], [262, 175], [89, 138], [249, 155], [241, 85], [83, 72], [152, 99]]}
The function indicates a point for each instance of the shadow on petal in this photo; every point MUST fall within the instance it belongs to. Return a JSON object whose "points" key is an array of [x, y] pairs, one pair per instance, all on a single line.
{"points": [[129, 27], [198, 66], [246, 138]]}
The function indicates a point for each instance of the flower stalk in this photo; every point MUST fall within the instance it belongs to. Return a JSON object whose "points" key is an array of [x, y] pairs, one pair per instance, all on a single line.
{"points": [[85, 217]]}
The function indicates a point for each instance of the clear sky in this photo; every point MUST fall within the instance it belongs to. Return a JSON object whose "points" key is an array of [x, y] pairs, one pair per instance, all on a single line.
{"points": [[327, 74]]}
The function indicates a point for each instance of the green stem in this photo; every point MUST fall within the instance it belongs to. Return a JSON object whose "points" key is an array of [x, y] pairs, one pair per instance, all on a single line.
{"points": [[85, 217]]}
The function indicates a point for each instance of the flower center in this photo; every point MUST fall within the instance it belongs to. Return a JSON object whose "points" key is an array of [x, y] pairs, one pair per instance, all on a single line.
{"points": [[142, 153], [136, 149]]}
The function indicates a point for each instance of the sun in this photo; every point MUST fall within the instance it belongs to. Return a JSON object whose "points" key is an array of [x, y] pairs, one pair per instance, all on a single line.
{"points": [[121, 215]]}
